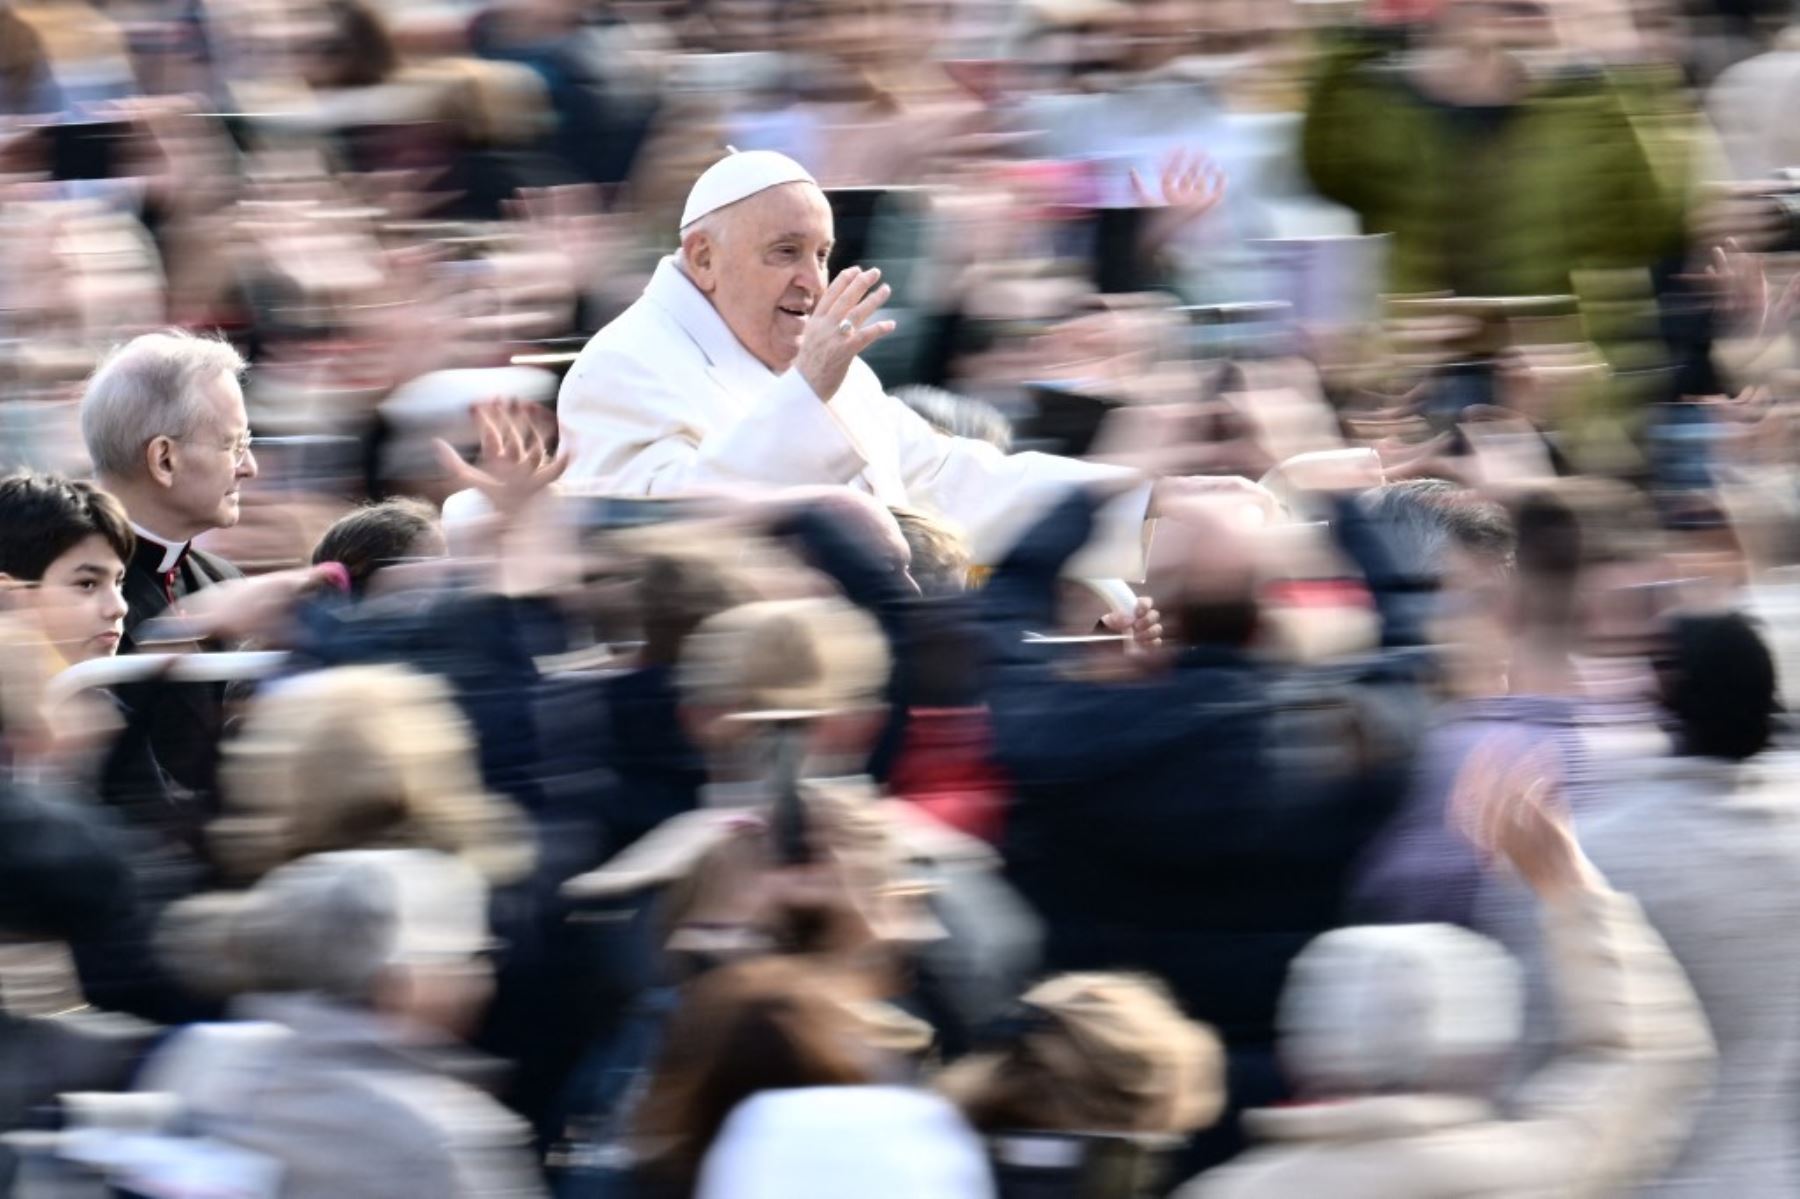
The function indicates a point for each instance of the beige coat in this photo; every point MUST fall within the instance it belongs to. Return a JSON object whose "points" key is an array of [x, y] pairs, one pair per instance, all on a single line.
{"points": [[1610, 1110]]}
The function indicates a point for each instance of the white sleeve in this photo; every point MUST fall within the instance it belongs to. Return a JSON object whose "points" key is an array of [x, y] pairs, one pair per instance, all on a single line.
{"points": [[996, 496], [647, 431]]}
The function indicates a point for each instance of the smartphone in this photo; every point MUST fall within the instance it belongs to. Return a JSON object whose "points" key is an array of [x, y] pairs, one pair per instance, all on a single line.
{"points": [[87, 149], [788, 829]]}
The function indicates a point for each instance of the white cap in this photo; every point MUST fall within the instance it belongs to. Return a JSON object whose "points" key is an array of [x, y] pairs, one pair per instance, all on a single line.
{"points": [[738, 176]]}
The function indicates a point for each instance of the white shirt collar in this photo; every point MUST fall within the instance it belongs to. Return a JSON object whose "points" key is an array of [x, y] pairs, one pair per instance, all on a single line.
{"points": [[672, 291], [172, 550]]}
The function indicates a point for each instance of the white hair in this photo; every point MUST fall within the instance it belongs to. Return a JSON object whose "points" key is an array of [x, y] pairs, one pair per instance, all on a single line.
{"points": [[332, 923], [149, 388], [713, 225]]}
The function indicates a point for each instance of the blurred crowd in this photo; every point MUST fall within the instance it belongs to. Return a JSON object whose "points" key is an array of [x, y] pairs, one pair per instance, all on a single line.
{"points": [[434, 761]]}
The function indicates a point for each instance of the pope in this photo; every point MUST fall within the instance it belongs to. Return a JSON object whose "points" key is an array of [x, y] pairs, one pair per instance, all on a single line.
{"points": [[739, 367]]}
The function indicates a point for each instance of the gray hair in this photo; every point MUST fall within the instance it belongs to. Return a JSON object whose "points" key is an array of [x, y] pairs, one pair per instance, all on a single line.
{"points": [[149, 388], [711, 224], [332, 923], [320, 926], [1402, 1008]]}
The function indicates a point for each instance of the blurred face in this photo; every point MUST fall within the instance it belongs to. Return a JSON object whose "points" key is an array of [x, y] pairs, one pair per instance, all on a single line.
{"points": [[859, 32], [765, 270], [80, 601], [445, 996], [1467, 625], [205, 470]]}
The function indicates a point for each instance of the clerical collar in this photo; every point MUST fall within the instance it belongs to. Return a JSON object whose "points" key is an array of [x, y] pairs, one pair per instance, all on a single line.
{"points": [[671, 290], [172, 550]]}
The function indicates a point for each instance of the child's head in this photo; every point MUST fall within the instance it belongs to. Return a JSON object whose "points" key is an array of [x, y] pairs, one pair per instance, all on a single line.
{"points": [[63, 549], [377, 536]]}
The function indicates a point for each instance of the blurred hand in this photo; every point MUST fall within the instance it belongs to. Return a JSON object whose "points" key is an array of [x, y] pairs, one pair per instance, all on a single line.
{"points": [[569, 226], [1747, 212], [1509, 453], [1246, 499], [190, 167], [1744, 291], [1505, 802], [260, 607], [1333, 471], [1142, 626], [401, 195], [1403, 460], [1191, 187], [1159, 439], [826, 348], [515, 465]]}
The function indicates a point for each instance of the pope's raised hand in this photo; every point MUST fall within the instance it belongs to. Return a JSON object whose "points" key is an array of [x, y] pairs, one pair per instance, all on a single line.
{"points": [[839, 329]]}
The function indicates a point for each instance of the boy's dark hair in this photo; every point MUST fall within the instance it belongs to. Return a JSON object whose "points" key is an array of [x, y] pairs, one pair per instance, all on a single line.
{"points": [[1719, 682], [375, 536], [43, 517]]}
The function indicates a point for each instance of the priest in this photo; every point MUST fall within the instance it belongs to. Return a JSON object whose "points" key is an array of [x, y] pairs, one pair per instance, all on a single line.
{"points": [[739, 366]]}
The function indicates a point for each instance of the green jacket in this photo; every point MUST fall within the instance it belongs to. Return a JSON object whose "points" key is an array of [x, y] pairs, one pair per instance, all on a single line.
{"points": [[1494, 202]]}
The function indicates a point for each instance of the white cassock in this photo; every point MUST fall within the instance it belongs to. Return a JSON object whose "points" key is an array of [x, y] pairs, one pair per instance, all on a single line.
{"points": [[665, 399]]}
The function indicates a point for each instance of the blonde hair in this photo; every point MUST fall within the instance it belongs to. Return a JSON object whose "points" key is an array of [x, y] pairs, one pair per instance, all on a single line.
{"points": [[1098, 1053], [940, 553], [806, 654], [361, 757]]}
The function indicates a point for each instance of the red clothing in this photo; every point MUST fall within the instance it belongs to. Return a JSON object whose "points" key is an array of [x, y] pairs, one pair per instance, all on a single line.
{"points": [[946, 766]]}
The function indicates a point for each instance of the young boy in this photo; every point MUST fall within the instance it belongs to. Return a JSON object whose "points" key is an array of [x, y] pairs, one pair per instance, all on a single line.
{"points": [[63, 549]]}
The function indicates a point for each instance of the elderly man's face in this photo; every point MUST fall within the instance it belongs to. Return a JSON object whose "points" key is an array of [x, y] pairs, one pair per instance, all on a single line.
{"points": [[766, 270], [212, 462]]}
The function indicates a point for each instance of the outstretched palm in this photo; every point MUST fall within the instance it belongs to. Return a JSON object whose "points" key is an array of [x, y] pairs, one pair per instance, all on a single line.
{"points": [[516, 464]]}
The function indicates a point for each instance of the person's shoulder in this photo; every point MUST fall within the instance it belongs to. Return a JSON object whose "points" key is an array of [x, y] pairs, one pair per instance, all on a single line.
{"points": [[214, 568], [626, 333], [420, 1108], [643, 336]]}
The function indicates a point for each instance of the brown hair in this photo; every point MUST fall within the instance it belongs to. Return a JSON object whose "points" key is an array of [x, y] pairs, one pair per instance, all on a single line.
{"points": [[374, 536], [770, 1023], [24, 63], [677, 594], [1094, 1053], [364, 51]]}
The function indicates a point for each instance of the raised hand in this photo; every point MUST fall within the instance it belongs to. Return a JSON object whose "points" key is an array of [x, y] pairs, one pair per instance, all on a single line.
{"points": [[1744, 289], [515, 465], [1142, 626], [1191, 186], [1237, 498], [839, 329], [1505, 802]]}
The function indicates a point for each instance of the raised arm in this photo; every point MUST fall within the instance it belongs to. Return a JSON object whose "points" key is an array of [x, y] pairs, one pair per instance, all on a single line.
{"points": [[1635, 1052]]}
